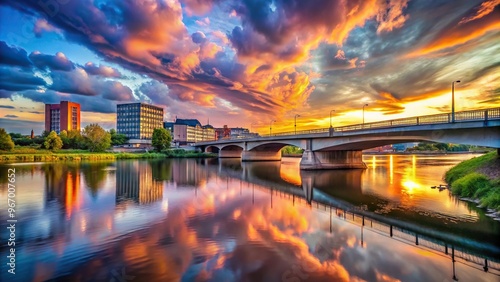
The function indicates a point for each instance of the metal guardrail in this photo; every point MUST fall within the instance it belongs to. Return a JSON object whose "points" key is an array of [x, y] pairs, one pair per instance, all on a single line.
{"points": [[412, 237], [395, 232], [465, 116]]}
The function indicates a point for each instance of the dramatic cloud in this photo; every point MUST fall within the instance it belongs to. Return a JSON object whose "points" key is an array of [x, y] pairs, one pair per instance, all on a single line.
{"points": [[80, 82], [41, 25], [13, 56], [59, 62], [263, 59], [101, 70], [483, 10], [14, 79]]}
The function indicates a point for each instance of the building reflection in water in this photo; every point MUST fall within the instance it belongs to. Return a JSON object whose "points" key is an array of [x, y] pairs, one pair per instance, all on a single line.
{"points": [[134, 181], [62, 184], [187, 172], [245, 214]]}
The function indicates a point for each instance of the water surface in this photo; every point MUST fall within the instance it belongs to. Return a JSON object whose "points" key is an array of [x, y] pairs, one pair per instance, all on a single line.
{"points": [[223, 220]]}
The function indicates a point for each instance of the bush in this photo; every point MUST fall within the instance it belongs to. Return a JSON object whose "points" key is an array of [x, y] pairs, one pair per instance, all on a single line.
{"points": [[291, 150], [6, 143], [492, 200], [53, 141], [469, 166], [468, 185]]}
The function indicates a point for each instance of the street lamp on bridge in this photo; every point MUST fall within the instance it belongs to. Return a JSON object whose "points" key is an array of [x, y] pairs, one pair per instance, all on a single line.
{"points": [[453, 100], [271, 126], [251, 126], [295, 123], [365, 105], [331, 118], [331, 127]]}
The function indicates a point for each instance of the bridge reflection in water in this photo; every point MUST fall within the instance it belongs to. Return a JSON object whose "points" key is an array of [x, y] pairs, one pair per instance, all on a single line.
{"points": [[312, 190]]}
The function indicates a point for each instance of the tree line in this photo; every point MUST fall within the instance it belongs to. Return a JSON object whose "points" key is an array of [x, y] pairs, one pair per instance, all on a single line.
{"points": [[92, 138]]}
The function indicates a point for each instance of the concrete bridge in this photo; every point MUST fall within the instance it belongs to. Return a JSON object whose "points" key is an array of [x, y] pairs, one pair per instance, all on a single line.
{"points": [[341, 147]]}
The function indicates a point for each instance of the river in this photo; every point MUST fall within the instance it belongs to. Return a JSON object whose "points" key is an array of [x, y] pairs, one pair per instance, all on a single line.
{"points": [[223, 220]]}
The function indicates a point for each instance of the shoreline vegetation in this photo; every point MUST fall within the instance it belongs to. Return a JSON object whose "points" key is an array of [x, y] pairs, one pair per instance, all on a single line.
{"points": [[37, 155], [478, 180]]}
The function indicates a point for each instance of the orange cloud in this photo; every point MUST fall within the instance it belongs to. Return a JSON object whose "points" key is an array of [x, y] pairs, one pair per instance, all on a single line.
{"points": [[486, 8], [392, 17], [459, 34]]}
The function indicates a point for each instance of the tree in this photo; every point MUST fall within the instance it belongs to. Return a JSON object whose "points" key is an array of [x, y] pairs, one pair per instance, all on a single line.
{"points": [[117, 138], [5, 141], [53, 141], [64, 138], [161, 139], [15, 135], [442, 146], [96, 138], [76, 140]]}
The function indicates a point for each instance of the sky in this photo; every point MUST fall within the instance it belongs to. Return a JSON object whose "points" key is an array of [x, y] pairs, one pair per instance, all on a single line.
{"points": [[247, 63]]}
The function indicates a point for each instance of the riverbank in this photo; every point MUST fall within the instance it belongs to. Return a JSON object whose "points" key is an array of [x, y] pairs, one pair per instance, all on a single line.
{"points": [[425, 153], [478, 180], [81, 155]]}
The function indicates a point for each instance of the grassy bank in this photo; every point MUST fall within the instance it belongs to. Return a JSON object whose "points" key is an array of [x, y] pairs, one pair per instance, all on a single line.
{"points": [[477, 178], [82, 155]]}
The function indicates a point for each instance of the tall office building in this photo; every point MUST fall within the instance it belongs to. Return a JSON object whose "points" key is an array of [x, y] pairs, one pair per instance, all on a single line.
{"points": [[63, 116], [138, 120]]}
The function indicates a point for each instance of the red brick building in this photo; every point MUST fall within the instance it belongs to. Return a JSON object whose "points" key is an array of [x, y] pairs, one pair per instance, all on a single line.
{"points": [[63, 116]]}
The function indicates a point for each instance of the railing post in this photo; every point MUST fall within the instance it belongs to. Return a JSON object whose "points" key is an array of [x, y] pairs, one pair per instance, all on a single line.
{"points": [[416, 239], [449, 118], [486, 116], [391, 231], [418, 122]]}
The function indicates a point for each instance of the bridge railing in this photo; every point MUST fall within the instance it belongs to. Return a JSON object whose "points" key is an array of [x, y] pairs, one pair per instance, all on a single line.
{"points": [[474, 115], [410, 237]]}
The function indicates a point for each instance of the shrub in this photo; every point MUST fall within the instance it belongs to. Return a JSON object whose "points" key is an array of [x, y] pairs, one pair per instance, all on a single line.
{"points": [[6, 143], [492, 200], [468, 185], [53, 141]]}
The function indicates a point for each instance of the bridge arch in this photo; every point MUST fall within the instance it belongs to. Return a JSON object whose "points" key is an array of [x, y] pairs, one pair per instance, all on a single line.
{"points": [[231, 147], [230, 151], [274, 146], [212, 149], [365, 143]]}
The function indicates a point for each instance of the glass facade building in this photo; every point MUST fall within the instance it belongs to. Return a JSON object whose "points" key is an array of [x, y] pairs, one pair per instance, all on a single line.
{"points": [[138, 120]]}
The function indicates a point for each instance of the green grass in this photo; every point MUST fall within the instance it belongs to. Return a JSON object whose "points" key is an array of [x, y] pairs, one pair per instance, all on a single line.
{"points": [[466, 181], [34, 155]]}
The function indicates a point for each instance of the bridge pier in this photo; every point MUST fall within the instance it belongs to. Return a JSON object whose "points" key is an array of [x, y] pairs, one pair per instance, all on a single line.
{"points": [[229, 154], [315, 160], [250, 156]]}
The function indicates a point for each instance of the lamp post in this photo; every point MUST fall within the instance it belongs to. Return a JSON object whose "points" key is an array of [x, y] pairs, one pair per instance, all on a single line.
{"points": [[365, 105], [271, 127], [295, 123], [331, 118], [453, 100], [251, 126]]}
